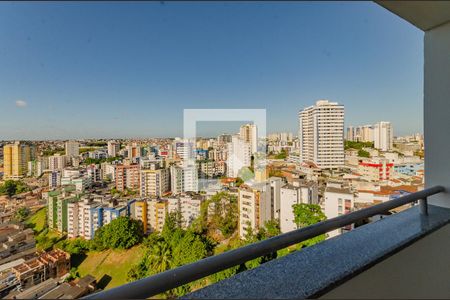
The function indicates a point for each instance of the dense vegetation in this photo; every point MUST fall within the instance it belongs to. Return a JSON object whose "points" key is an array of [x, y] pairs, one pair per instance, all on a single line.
{"points": [[96, 144], [13, 187], [97, 161], [21, 214], [214, 232], [357, 145], [50, 152], [282, 155], [306, 215], [121, 233], [171, 248], [363, 153]]}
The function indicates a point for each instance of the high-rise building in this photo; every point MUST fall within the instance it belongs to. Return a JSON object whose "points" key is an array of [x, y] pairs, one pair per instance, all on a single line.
{"points": [[367, 133], [188, 206], [223, 139], [113, 148], [322, 134], [152, 213], [383, 136], [37, 167], [72, 149], [15, 159], [154, 183], [360, 133], [57, 162], [176, 180], [249, 134], [350, 136], [190, 176], [239, 156], [54, 179], [127, 176], [134, 150]]}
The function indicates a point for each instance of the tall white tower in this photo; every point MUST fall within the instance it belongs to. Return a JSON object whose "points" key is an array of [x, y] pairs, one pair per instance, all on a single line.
{"points": [[321, 134], [383, 136], [239, 156]]}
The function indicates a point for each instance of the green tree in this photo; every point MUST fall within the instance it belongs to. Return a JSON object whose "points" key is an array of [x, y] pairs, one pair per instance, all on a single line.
{"points": [[357, 145], [363, 153], [13, 187], [307, 215], [282, 154], [239, 181], [121, 233], [225, 213], [159, 257], [272, 228], [9, 188], [21, 214]]}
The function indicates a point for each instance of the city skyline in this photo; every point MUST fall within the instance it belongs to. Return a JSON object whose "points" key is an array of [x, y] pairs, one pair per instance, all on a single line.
{"points": [[109, 79]]}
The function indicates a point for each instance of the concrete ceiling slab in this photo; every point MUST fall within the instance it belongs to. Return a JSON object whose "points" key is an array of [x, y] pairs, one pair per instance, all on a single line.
{"points": [[424, 15]]}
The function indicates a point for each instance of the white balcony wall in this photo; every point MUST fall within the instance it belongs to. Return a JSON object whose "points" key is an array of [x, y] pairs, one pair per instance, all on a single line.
{"points": [[437, 111]]}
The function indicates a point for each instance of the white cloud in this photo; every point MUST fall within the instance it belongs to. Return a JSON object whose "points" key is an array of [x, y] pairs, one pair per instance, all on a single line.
{"points": [[21, 103]]}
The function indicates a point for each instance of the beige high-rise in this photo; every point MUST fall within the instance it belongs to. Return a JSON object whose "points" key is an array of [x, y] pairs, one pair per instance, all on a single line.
{"points": [[15, 159]]}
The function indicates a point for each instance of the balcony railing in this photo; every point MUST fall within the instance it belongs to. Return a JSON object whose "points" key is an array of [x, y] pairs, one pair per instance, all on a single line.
{"points": [[170, 279]]}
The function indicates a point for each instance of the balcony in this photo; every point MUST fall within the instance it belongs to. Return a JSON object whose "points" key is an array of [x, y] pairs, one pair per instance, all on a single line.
{"points": [[404, 255]]}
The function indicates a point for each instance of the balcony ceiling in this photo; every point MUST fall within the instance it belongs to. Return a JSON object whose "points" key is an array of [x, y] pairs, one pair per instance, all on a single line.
{"points": [[424, 15]]}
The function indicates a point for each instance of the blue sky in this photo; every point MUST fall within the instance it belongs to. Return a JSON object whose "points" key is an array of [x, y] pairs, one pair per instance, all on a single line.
{"points": [[119, 69]]}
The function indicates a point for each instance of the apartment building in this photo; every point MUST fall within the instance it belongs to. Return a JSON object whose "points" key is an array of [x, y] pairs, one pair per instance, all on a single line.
{"points": [[275, 189], [72, 149], [375, 169], [133, 151], [176, 179], [255, 206], [321, 134], [296, 192], [239, 156], [338, 200], [15, 159], [187, 205], [152, 214], [85, 216], [113, 148], [127, 176], [383, 133], [37, 166], [54, 179], [57, 162], [94, 173], [363, 133], [154, 183], [57, 208], [249, 134]]}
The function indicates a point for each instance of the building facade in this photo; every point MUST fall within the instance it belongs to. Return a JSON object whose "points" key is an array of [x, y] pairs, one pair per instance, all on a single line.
{"points": [[321, 134], [383, 133]]}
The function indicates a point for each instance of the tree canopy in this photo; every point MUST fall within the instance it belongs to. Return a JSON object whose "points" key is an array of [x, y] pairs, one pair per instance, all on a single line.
{"points": [[307, 215], [363, 153], [13, 187], [121, 233]]}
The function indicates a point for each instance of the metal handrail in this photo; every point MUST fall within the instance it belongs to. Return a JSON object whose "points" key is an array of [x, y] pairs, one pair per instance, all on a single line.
{"points": [[170, 279]]}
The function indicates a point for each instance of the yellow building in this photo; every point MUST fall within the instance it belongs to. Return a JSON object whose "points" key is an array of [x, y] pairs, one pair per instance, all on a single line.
{"points": [[152, 214], [15, 159], [155, 183]]}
